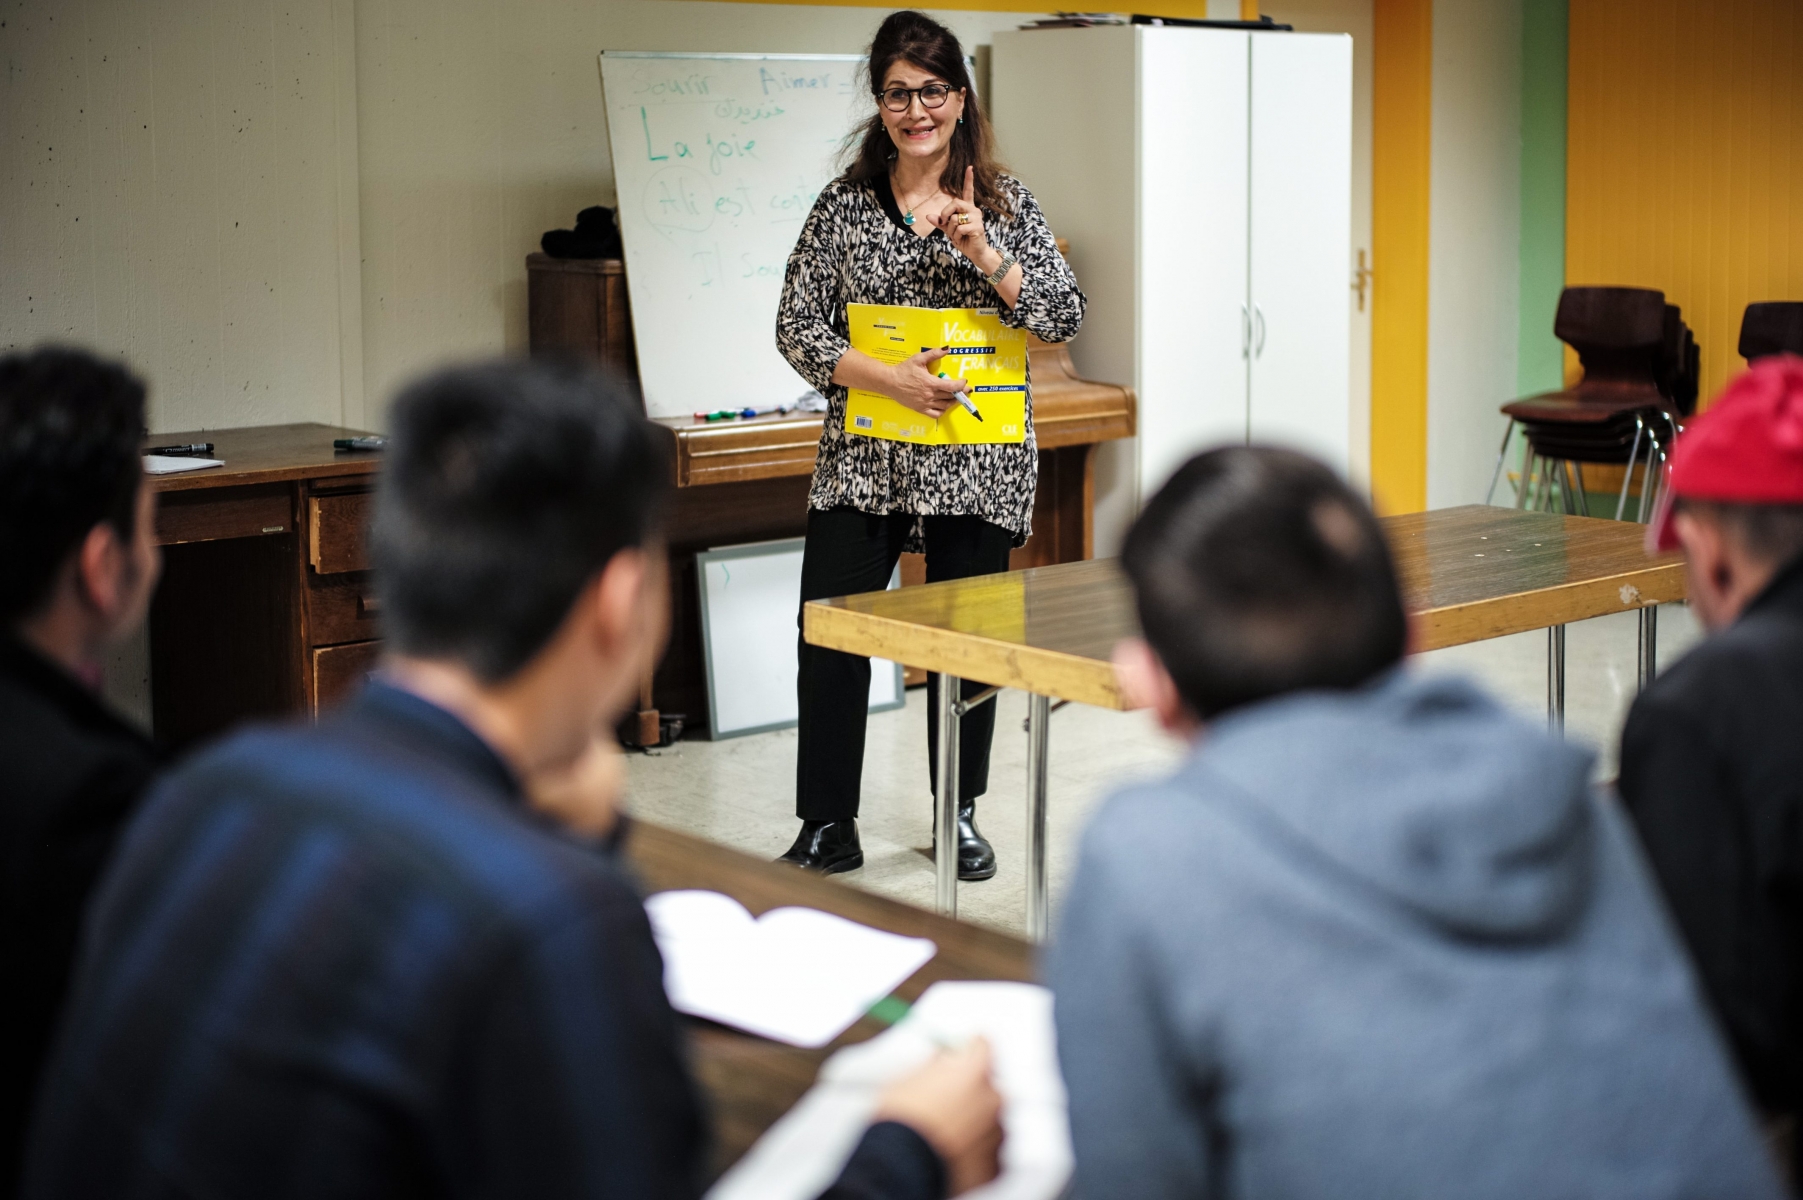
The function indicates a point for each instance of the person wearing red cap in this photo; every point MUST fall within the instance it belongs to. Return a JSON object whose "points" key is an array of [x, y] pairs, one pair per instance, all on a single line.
{"points": [[1712, 753]]}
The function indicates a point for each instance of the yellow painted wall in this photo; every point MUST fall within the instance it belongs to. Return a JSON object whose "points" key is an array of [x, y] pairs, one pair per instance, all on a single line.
{"points": [[1401, 153], [1685, 158]]}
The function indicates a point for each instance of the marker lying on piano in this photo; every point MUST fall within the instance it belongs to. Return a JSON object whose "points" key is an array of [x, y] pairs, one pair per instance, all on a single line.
{"points": [[961, 398]]}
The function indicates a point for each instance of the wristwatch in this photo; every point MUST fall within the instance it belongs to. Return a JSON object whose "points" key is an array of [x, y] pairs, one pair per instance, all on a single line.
{"points": [[1008, 261]]}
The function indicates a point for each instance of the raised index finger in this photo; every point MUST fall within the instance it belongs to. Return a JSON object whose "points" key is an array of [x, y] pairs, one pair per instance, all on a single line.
{"points": [[970, 185]]}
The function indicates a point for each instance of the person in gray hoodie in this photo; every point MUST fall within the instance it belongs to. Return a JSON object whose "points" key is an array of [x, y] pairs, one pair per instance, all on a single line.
{"points": [[1375, 937]]}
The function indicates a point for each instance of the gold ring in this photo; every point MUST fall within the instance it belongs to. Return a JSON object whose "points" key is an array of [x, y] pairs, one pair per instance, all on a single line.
{"points": [[963, 218]]}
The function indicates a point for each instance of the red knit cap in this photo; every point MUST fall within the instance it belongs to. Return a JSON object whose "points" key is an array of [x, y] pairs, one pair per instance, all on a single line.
{"points": [[1747, 449]]}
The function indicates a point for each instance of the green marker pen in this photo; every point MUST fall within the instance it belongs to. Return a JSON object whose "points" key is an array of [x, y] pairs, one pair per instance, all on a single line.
{"points": [[961, 398]]}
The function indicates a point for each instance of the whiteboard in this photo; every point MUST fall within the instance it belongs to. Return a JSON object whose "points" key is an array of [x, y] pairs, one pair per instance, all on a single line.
{"points": [[749, 597], [717, 160]]}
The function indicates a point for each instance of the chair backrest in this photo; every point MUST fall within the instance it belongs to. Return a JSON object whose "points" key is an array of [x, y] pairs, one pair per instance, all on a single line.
{"points": [[1618, 332], [1772, 327], [1679, 360]]}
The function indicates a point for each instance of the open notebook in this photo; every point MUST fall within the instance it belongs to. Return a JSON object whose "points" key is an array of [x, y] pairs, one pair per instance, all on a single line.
{"points": [[805, 1151], [795, 975]]}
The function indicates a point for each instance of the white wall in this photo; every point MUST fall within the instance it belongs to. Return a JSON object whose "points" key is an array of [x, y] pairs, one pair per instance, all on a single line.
{"points": [[481, 126], [277, 211], [178, 185], [1474, 263]]}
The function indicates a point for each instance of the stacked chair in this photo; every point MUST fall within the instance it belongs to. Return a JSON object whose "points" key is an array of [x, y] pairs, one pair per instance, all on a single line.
{"points": [[1640, 382], [1774, 327]]}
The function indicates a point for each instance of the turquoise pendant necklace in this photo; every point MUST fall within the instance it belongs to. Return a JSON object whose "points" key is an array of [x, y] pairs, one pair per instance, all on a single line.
{"points": [[907, 217]]}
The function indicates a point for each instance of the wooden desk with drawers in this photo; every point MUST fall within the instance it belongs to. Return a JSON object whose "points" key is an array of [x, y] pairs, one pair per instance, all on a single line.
{"points": [[265, 607]]}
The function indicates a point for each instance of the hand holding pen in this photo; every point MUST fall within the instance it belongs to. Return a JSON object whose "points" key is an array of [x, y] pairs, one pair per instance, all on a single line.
{"points": [[964, 399], [916, 383]]}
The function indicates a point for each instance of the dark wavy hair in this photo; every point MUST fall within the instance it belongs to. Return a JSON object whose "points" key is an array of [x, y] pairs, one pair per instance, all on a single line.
{"points": [[914, 37], [70, 427]]}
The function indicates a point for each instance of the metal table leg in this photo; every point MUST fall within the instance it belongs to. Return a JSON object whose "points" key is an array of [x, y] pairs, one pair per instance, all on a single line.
{"points": [[1649, 644], [945, 820], [1039, 719], [1555, 678]]}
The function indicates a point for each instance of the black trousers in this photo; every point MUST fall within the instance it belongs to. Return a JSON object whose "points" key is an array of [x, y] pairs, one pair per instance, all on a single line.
{"points": [[850, 551]]}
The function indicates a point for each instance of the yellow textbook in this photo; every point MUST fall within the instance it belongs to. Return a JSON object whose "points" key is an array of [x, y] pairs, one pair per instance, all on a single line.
{"points": [[987, 355]]}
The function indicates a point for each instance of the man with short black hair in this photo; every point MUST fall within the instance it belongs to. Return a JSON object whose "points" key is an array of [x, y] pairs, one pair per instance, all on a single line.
{"points": [[1375, 937], [1712, 752], [396, 954], [78, 562]]}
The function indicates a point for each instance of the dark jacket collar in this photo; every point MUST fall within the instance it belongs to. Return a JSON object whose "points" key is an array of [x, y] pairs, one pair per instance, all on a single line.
{"points": [[394, 713], [1783, 594], [431, 730], [31, 671]]}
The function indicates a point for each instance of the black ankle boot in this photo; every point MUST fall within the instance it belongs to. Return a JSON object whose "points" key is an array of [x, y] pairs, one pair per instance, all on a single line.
{"points": [[976, 857], [828, 847]]}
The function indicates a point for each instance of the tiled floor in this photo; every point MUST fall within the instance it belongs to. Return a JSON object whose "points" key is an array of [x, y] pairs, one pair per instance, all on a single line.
{"points": [[741, 791]]}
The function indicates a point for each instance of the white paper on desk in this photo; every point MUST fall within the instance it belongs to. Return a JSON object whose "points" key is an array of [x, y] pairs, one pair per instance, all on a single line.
{"points": [[796, 975], [170, 464], [805, 1151]]}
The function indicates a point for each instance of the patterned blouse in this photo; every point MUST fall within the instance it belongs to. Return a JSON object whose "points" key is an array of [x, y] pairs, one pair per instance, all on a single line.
{"points": [[854, 249]]}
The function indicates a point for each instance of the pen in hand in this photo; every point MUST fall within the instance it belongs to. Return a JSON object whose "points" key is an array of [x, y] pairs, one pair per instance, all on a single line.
{"points": [[963, 399]]}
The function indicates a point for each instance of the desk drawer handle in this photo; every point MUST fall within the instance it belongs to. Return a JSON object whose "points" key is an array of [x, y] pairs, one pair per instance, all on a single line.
{"points": [[368, 605], [275, 529]]}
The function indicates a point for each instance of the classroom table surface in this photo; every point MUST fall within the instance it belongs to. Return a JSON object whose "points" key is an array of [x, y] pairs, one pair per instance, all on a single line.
{"points": [[1467, 574], [265, 454], [750, 1081]]}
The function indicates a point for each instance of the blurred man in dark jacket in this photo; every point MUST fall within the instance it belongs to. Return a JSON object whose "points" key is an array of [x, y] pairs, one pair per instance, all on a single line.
{"points": [[1712, 754], [77, 565], [396, 953]]}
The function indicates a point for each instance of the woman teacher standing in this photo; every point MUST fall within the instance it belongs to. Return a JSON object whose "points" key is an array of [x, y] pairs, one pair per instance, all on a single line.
{"points": [[923, 217]]}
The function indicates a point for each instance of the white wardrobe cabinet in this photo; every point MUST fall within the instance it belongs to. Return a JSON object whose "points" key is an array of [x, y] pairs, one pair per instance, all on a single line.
{"points": [[1204, 178]]}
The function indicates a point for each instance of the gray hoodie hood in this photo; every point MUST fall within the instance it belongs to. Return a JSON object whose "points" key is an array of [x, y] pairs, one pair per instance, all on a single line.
{"points": [[1421, 789]]}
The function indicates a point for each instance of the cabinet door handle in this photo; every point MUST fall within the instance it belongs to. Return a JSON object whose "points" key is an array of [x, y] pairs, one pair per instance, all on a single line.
{"points": [[1245, 332], [369, 604], [1258, 320]]}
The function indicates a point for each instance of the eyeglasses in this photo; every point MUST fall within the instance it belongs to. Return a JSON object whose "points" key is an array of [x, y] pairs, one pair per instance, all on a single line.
{"points": [[897, 99]]}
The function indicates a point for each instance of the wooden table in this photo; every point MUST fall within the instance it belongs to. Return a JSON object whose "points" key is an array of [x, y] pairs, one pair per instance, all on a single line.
{"points": [[1467, 574], [751, 1081], [264, 607]]}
